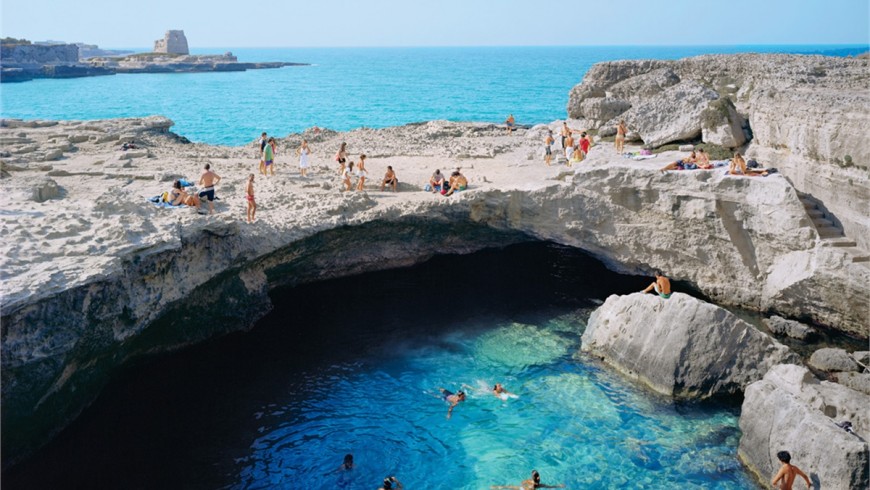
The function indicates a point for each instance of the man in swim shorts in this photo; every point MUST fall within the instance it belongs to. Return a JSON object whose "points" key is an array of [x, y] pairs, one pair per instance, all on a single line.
{"points": [[390, 179], [662, 286], [510, 123], [452, 398], [437, 181], [787, 473], [269, 156], [208, 180]]}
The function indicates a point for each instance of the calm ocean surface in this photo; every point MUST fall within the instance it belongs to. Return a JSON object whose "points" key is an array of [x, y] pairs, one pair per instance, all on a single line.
{"points": [[346, 88]]}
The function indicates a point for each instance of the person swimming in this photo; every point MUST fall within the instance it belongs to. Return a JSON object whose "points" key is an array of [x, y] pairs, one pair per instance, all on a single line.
{"points": [[452, 398], [499, 391]]}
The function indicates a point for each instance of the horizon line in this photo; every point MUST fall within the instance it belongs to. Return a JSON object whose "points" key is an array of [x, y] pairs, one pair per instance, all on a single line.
{"points": [[861, 44]]}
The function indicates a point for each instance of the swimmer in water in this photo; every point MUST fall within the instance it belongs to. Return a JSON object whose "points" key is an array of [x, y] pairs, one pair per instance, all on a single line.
{"points": [[389, 484], [452, 398], [530, 484], [499, 391]]}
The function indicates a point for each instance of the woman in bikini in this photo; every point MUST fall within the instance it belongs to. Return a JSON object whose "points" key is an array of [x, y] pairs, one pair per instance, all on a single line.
{"points": [[341, 158], [346, 175], [249, 197]]}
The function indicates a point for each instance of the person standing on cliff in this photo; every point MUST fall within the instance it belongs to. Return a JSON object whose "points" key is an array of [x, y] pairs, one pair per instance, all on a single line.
{"points": [[262, 141], [269, 156], [548, 147], [619, 142], [787, 473], [585, 143], [510, 123], [566, 133], [249, 197], [662, 286], [302, 152], [208, 180]]}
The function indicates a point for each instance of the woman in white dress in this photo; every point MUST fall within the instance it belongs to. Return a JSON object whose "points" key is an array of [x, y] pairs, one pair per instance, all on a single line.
{"points": [[303, 152]]}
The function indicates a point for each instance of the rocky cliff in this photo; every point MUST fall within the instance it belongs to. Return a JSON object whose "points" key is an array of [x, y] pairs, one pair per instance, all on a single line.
{"points": [[791, 410], [114, 277], [805, 115]]}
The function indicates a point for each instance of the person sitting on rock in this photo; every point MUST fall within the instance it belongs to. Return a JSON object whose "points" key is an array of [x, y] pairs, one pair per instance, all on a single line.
{"points": [[436, 183], [458, 182], [687, 163], [787, 473], [576, 156], [703, 160], [738, 167], [176, 195], [662, 286], [390, 179]]}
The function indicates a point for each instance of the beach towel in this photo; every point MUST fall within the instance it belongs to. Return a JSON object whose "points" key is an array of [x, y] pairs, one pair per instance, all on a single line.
{"points": [[642, 157], [185, 182], [158, 201]]}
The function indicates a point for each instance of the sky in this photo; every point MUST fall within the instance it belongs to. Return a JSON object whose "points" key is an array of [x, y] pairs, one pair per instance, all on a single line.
{"points": [[292, 23]]}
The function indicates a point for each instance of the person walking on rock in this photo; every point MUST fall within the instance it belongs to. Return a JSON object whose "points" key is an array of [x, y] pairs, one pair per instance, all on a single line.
{"points": [[269, 157], [341, 158], [510, 123], [787, 473], [662, 286]]}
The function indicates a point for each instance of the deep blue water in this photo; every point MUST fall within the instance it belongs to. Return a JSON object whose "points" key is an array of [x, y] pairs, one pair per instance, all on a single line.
{"points": [[348, 87], [353, 366]]}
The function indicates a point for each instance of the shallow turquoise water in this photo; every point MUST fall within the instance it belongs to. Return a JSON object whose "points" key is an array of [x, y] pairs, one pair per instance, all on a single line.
{"points": [[347, 88], [573, 422]]}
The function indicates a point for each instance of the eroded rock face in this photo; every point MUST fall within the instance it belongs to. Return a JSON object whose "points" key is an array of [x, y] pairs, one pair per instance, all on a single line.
{"points": [[830, 360], [681, 346], [807, 114], [722, 125], [671, 115], [790, 410]]}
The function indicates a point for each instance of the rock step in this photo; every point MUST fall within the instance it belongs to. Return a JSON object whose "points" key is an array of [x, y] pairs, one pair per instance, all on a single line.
{"points": [[809, 203], [830, 232], [815, 213], [822, 223], [861, 258], [840, 242]]}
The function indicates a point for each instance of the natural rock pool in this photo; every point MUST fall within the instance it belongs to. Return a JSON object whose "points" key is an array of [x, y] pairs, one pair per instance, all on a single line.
{"points": [[353, 365]]}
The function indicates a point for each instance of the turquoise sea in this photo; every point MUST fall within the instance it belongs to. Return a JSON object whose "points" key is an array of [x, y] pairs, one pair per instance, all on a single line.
{"points": [[347, 88]]}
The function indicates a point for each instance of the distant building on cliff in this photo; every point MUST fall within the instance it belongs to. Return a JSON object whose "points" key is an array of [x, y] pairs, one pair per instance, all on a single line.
{"points": [[173, 42]]}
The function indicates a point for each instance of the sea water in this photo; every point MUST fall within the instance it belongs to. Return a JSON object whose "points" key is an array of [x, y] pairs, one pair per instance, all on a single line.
{"points": [[355, 365], [346, 88]]}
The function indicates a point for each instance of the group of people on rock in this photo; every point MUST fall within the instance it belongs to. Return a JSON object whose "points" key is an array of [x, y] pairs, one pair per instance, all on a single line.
{"points": [[347, 172], [447, 186], [575, 150], [699, 159]]}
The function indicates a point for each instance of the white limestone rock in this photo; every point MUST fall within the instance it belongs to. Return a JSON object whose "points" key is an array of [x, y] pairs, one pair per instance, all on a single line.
{"points": [[681, 346], [671, 115], [722, 125], [830, 359], [791, 410], [603, 109], [857, 381]]}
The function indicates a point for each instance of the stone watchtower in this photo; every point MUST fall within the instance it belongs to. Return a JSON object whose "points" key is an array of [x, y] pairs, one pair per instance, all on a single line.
{"points": [[173, 42]]}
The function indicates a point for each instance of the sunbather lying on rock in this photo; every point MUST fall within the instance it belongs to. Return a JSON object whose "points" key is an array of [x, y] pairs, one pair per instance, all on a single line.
{"points": [[688, 163]]}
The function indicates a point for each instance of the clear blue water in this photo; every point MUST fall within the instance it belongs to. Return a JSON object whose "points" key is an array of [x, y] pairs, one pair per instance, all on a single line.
{"points": [[353, 366], [347, 88]]}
